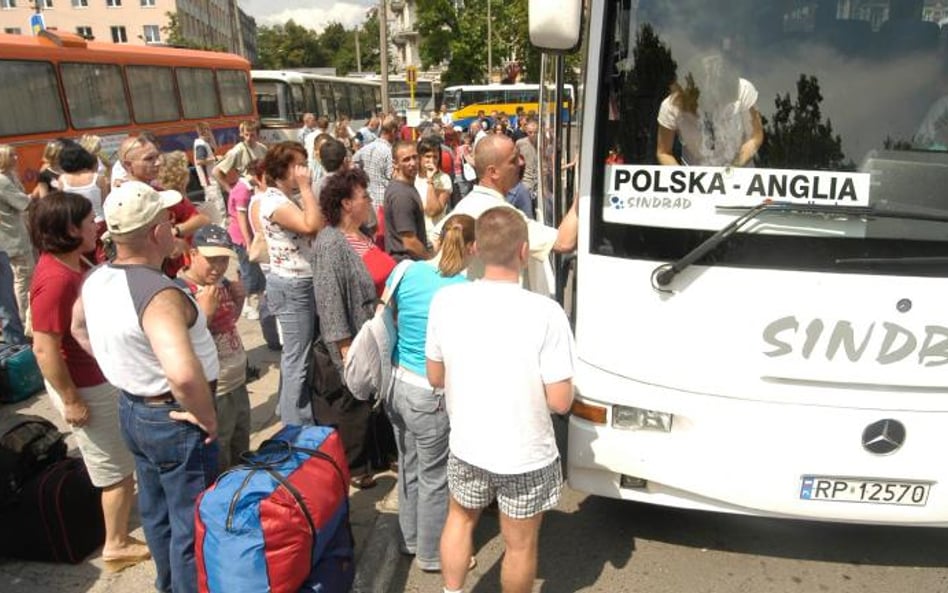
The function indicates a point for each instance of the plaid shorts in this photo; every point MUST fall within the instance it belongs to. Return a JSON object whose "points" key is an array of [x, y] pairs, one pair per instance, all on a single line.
{"points": [[519, 496]]}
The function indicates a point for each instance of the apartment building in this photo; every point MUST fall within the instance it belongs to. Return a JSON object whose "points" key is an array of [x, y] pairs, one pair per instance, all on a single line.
{"points": [[218, 23]]}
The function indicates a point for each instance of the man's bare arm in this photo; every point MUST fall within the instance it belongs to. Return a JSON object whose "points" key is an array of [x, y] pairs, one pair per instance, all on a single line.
{"points": [[559, 396], [165, 322], [78, 327]]}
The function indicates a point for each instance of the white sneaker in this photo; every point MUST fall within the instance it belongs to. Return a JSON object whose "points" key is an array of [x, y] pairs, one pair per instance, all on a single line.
{"points": [[250, 313]]}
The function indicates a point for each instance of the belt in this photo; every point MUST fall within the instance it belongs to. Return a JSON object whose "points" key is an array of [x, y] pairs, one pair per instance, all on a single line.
{"points": [[412, 378], [164, 398]]}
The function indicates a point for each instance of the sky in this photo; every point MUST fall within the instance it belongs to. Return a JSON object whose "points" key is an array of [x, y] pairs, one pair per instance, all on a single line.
{"points": [[315, 14]]}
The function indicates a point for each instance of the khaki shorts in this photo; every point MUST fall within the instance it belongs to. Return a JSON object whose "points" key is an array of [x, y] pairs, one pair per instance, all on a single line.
{"points": [[100, 442], [519, 496]]}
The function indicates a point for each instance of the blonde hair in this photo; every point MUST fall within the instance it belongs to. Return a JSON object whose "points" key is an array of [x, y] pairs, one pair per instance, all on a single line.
{"points": [[51, 153], [7, 157], [248, 126], [457, 235], [173, 170], [91, 142]]}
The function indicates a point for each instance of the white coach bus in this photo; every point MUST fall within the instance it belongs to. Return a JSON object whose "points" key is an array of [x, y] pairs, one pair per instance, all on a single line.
{"points": [[760, 309]]}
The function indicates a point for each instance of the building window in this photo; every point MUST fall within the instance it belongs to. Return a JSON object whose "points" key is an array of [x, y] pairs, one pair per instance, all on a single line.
{"points": [[152, 34], [7, 3], [80, 3], [113, 3], [119, 35], [85, 32], [12, 30], [148, 3], [47, 4]]}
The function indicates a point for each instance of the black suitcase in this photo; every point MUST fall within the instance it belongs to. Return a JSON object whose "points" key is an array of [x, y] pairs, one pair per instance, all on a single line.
{"points": [[58, 517]]}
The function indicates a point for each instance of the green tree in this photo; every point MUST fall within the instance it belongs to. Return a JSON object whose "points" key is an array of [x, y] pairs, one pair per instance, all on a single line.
{"points": [[797, 137], [458, 38], [289, 46]]}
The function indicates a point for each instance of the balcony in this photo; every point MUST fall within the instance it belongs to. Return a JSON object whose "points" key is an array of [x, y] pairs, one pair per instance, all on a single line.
{"points": [[403, 35], [397, 5]]}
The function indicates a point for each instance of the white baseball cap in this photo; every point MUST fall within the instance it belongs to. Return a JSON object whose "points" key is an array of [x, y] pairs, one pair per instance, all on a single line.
{"points": [[134, 205]]}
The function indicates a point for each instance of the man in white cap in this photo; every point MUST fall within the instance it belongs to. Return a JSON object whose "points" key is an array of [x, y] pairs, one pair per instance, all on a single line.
{"points": [[152, 342]]}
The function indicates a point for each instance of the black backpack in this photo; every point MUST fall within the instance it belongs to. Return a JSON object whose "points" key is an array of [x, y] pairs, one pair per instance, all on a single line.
{"points": [[28, 445]]}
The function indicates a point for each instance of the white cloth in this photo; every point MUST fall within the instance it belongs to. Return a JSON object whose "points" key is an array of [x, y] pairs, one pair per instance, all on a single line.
{"points": [[713, 136], [114, 299], [118, 172], [90, 191], [500, 345], [291, 253], [441, 182]]}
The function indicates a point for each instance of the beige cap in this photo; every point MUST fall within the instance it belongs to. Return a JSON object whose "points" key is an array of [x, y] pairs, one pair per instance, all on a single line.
{"points": [[134, 204]]}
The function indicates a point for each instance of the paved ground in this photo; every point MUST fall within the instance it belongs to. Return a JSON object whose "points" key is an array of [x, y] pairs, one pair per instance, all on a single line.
{"points": [[90, 576]]}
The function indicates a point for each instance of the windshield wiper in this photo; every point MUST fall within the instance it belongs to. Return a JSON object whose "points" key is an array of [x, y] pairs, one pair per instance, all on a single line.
{"points": [[905, 261], [665, 273]]}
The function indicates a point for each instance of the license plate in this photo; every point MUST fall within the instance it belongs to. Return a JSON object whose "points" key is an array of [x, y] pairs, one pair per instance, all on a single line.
{"points": [[871, 491]]}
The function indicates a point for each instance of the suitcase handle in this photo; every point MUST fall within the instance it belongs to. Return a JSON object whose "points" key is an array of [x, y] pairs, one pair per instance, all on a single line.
{"points": [[281, 448]]}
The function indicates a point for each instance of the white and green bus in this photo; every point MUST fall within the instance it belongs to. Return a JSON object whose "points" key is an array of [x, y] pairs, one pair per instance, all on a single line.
{"points": [[763, 254]]}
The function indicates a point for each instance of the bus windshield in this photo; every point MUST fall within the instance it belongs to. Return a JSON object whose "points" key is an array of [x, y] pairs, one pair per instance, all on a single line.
{"points": [[707, 110], [275, 101]]}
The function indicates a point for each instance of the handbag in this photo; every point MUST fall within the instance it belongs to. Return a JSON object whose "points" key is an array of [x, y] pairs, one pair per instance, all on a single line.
{"points": [[368, 365], [324, 377], [258, 251]]}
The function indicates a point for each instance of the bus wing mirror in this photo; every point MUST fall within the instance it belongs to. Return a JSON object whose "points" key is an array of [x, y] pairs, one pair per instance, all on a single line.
{"points": [[555, 24]]}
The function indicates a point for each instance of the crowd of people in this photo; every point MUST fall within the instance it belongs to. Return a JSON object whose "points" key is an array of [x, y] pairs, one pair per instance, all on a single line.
{"points": [[134, 320]]}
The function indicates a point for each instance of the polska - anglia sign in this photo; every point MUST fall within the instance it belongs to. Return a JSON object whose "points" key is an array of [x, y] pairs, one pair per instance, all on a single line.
{"points": [[652, 186]]}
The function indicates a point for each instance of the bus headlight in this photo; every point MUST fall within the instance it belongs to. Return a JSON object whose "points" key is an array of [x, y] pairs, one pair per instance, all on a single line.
{"points": [[631, 418]]}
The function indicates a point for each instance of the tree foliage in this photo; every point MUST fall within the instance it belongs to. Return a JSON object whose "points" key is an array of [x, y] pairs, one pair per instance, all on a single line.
{"points": [[457, 37], [797, 137], [295, 46]]}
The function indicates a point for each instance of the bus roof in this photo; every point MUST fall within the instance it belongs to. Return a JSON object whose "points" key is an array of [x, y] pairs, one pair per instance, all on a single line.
{"points": [[520, 86], [299, 77], [60, 45]]}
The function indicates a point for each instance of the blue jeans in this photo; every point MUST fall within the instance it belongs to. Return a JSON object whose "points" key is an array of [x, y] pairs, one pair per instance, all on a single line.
{"points": [[421, 429], [10, 322], [251, 276], [173, 466], [293, 302]]}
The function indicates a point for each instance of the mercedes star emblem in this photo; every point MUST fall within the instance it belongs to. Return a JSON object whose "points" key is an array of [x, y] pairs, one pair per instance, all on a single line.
{"points": [[883, 437]]}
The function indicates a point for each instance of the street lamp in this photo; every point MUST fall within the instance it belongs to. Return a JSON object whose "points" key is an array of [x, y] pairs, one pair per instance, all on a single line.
{"points": [[490, 57]]}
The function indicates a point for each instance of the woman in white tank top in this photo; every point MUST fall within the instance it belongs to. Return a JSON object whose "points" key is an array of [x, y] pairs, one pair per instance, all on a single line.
{"points": [[80, 177]]}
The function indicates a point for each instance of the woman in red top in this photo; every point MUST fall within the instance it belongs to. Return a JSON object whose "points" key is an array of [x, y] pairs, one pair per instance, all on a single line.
{"points": [[62, 227]]}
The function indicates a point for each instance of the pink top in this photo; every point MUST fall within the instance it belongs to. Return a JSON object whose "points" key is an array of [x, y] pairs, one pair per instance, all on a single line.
{"points": [[238, 201]]}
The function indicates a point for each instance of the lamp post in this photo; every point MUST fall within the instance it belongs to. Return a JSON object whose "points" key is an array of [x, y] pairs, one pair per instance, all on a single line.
{"points": [[383, 51], [490, 56]]}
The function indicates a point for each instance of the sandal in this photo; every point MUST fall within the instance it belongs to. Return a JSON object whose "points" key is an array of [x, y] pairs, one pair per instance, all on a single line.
{"points": [[363, 482]]}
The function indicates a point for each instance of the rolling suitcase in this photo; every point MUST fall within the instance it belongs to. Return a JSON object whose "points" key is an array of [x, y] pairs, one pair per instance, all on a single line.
{"points": [[19, 374], [58, 517]]}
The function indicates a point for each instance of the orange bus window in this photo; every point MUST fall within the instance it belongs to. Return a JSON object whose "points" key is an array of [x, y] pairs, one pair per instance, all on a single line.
{"points": [[198, 95], [153, 95], [95, 95], [235, 92], [29, 94]]}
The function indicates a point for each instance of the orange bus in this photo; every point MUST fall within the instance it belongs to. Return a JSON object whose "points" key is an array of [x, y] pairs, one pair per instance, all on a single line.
{"points": [[58, 85]]}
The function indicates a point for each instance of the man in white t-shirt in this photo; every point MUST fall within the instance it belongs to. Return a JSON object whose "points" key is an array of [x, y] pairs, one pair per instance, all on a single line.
{"points": [[523, 339]]}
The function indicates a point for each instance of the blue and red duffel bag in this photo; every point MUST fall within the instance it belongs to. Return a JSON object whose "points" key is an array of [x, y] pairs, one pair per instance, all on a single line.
{"points": [[279, 522]]}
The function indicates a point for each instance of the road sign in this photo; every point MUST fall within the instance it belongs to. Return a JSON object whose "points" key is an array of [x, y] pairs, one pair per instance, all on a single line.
{"points": [[36, 23]]}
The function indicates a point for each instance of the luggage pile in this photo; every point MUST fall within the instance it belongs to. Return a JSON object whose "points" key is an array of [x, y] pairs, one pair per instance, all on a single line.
{"points": [[280, 521], [49, 509]]}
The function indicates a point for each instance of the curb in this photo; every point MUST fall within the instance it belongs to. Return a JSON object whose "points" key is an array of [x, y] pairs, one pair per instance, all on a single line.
{"points": [[379, 560]]}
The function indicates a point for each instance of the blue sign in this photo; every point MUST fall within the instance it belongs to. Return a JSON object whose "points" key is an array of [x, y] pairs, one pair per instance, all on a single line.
{"points": [[37, 24]]}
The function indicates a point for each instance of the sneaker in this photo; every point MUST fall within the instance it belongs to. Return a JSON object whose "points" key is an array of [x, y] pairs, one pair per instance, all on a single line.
{"points": [[250, 313]]}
